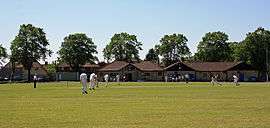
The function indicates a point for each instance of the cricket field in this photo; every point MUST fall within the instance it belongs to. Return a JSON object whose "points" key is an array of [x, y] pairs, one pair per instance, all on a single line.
{"points": [[140, 105]]}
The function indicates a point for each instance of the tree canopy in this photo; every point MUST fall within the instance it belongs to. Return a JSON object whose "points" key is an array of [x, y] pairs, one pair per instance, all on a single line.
{"points": [[214, 47], [253, 49], [152, 55], [123, 47], [78, 49], [3, 54], [29, 45], [173, 48]]}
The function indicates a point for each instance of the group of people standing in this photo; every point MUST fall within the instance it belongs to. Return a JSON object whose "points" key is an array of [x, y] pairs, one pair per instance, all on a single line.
{"points": [[185, 78], [215, 81], [93, 82]]}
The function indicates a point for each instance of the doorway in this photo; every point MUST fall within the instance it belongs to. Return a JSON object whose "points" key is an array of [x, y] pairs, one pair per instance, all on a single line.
{"points": [[129, 77]]}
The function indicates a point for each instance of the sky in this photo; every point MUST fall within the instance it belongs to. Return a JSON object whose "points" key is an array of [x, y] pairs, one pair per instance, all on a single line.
{"points": [[149, 20]]}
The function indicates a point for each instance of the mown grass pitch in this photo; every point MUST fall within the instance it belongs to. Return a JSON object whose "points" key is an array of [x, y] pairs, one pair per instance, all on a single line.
{"points": [[150, 105]]}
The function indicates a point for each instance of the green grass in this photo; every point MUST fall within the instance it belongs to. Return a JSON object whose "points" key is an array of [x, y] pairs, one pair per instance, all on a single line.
{"points": [[146, 105]]}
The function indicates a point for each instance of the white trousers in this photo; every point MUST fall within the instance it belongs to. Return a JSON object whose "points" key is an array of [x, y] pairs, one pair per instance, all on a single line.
{"points": [[92, 84], [84, 86]]}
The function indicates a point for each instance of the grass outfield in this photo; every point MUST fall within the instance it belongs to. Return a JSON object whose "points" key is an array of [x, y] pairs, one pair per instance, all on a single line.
{"points": [[149, 105]]}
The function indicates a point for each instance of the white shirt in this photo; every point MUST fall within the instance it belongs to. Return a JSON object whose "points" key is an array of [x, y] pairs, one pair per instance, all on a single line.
{"points": [[235, 77], [186, 76], [92, 77], [35, 77], [83, 77], [117, 78], [213, 78], [106, 77]]}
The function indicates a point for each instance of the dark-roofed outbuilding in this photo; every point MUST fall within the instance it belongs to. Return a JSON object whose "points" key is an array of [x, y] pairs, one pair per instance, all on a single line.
{"points": [[202, 71], [141, 71], [65, 72], [22, 74]]}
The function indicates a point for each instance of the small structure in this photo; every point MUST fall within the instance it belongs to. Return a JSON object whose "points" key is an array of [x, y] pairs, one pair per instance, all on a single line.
{"points": [[177, 72], [22, 74], [66, 73], [138, 71], [202, 71], [149, 71]]}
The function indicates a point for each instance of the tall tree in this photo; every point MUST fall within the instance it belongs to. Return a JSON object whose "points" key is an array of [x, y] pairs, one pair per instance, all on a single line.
{"points": [[214, 47], [123, 47], [234, 46], [3, 54], [78, 49], [253, 49], [173, 48], [29, 45], [152, 55]]}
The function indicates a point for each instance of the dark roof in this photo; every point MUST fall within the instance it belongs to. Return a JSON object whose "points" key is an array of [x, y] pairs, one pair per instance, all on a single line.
{"points": [[148, 66], [212, 66], [87, 65], [63, 65], [143, 66], [175, 66], [6, 70], [34, 65], [115, 66]]}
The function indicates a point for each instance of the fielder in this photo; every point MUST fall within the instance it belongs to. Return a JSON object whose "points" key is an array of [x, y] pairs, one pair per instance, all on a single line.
{"points": [[235, 80], [35, 80], [92, 81], [214, 80], [106, 78], [96, 81], [83, 80], [166, 78], [118, 78], [187, 78]]}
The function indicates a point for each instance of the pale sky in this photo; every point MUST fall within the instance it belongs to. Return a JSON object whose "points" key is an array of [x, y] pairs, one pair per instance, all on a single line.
{"points": [[148, 19]]}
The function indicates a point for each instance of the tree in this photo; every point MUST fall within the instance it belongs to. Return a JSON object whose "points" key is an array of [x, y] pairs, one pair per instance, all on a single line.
{"points": [[152, 55], [29, 46], [123, 47], [234, 46], [78, 49], [253, 49], [173, 48], [51, 69], [3, 54], [214, 47]]}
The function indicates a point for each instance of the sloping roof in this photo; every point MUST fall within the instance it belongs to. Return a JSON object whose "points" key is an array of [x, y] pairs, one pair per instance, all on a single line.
{"points": [[178, 63], [63, 65], [115, 66], [87, 65], [211, 66], [143, 66], [6, 70], [148, 66], [34, 65]]}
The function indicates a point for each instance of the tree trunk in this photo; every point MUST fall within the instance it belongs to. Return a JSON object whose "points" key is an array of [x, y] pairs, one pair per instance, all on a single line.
{"points": [[76, 68]]}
